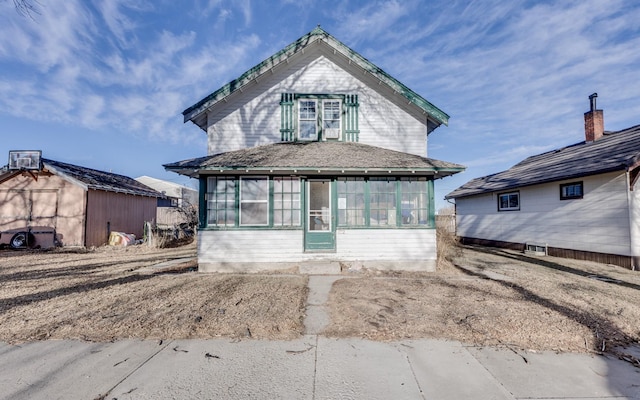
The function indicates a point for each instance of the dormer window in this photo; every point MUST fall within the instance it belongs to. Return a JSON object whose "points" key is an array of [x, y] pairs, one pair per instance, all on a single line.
{"points": [[319, 117]]}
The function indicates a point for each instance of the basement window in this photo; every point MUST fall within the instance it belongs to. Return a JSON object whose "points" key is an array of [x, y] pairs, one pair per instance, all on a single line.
{"points": [[509, 201], [569, 191]]}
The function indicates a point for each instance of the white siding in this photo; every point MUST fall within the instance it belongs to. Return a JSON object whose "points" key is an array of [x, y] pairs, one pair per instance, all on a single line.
{"points": [[634, 222], [407, 246], [599, 222], [250, 251], [252, 117]]}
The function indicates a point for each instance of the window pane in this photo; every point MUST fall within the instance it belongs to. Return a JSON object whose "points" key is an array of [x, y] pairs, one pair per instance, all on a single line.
{"points": [[308, 130], [221, 204], [307, 109], [254, 201], [382, 202], [254, 189], [571, 191], [513, 201], [254, 213], [286, 202], [509, 201], [351, 202], [504, 201], [415, 201]]}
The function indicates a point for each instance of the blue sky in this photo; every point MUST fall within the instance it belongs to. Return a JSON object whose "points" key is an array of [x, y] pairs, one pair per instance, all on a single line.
{"points": [[103, 83]]}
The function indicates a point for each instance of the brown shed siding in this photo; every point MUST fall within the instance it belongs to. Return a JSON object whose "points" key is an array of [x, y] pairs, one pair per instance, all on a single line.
{"points": [[48, 201], [614, 259], [118, 212]]}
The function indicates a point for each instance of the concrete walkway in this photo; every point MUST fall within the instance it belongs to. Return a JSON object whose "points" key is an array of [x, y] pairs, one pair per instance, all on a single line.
{"points": [[311, 367]]}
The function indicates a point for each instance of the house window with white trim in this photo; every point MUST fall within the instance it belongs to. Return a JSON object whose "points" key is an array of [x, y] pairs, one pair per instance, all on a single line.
{"points": [[319, 116], [509, 201], [307, 119], [331, 112], [254, 201], [570, 191]]}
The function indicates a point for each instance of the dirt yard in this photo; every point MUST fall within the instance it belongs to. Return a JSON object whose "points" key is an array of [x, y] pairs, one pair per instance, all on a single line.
{"points": [[482, 296]]}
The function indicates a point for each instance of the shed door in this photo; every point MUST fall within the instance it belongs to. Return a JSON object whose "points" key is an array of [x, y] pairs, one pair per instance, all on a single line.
{"points": [[320, 227]]}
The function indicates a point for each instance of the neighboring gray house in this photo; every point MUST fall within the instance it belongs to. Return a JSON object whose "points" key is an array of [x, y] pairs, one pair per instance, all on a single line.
{"points": [[579, 201], [177, 204], [315, 154]]}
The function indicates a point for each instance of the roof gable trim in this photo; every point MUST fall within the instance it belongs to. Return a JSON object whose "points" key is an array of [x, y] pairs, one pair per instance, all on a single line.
{"points": [[191, 113]]}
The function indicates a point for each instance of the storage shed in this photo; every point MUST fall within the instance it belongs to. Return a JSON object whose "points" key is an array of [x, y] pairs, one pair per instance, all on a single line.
{"points": [[62, 204]]}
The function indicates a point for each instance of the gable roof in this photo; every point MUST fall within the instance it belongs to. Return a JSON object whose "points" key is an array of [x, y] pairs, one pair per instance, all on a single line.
{"points": [[170, 189], [99, 180], [197, 112], [317, 158], [615, 151]]}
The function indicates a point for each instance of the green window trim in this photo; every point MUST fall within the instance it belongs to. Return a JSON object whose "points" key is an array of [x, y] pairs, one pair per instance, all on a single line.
{"points": [[352, 203], [214, 205], [351, 131], [348, 122], [287, 118], [414, 208]]}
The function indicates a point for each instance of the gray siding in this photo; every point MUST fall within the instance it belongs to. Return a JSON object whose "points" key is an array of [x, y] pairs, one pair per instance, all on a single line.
{"points": [[599, 222]]}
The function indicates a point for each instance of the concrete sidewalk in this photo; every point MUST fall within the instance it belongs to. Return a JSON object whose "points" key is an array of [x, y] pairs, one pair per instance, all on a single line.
{"points": [[311, 367]]}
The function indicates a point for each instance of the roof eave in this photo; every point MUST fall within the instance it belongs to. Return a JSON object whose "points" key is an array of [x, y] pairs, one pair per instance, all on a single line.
{"points": [[539, 182], [245, 170], [196, 111]]}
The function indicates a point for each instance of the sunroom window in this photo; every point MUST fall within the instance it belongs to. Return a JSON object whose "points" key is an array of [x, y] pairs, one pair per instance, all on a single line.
{"points": [[221, 201], [415, 201], [286, 202], [351, 202], [254, 201], [382, 201]]}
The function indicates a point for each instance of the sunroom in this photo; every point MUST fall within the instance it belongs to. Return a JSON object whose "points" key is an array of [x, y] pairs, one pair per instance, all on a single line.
{"points": [[278, 205]]}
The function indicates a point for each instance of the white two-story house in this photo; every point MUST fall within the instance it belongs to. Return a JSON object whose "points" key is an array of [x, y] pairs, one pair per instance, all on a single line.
{"points": [[316, 155]]}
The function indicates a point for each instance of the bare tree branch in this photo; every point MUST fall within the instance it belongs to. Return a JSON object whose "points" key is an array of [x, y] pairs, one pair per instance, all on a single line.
{"points": [[27, 8]]}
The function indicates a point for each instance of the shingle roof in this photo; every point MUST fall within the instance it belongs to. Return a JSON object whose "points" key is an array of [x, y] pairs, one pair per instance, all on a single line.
{"points": [[195, 112], [100, 180], [615, 151], [326, 157]]}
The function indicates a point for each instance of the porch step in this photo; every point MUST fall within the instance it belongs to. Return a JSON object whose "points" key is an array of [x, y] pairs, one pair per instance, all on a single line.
{"points": [[320, 268]]}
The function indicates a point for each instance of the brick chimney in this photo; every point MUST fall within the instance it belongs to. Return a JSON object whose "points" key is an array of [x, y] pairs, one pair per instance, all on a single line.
{"points": [[593, 121]]}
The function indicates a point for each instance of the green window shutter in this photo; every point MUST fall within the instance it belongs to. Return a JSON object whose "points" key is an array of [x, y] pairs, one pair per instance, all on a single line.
{"points": [[287, 119], [352, 133]]}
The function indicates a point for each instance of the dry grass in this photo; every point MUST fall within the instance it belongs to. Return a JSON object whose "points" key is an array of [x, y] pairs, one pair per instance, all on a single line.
{"points": [[477, 295], [103, 295], [494, 297]]}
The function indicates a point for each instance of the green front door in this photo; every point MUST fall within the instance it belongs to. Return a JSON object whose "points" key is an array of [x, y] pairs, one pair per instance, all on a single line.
{"points": [[319, 221]]}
